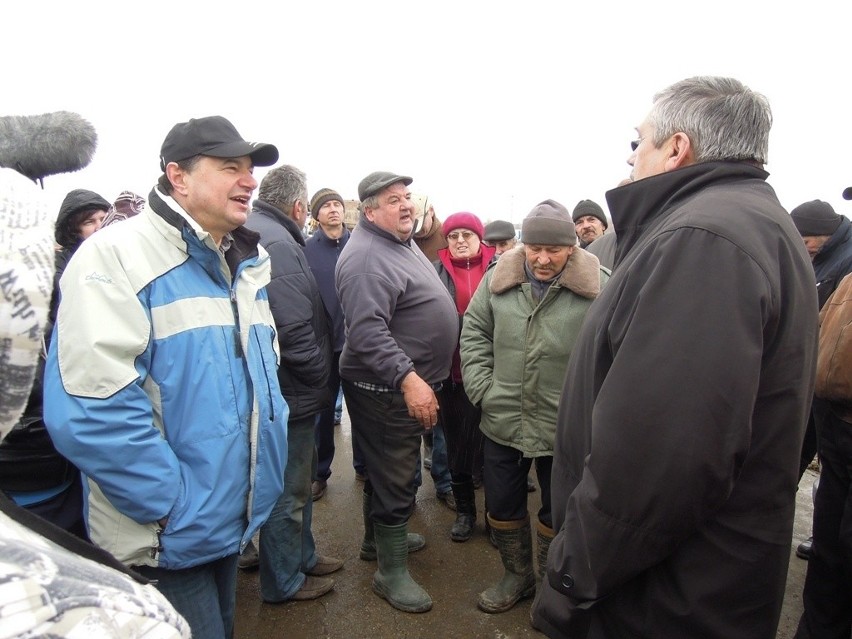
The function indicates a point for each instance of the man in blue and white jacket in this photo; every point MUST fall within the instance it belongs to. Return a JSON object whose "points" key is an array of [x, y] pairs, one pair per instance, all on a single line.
{"points": [[161, 383]]}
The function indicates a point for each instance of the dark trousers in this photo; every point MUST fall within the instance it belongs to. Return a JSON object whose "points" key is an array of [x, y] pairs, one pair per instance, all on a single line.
{"points": [[827, 595], [205, 595], [389, 440], [506, 471], [465, 442], [324, 431]]}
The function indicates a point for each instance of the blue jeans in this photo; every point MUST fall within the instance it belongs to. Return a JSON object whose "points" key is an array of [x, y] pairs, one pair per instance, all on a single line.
{"points": [[205, 595], [338, 405], [440, 470], [287, 546]]}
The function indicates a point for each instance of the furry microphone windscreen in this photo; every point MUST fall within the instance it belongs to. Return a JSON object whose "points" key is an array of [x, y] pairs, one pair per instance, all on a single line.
{"points": [[40, 145]]}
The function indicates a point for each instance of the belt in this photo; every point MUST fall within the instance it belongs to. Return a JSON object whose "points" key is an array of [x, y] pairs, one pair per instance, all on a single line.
{"points": [[384, 388]]}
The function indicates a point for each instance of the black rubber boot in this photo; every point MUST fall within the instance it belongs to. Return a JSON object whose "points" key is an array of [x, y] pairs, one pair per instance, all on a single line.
{"points": [[514, 540], [368, 545], [392, 580], [465, 510], [543, 537]]}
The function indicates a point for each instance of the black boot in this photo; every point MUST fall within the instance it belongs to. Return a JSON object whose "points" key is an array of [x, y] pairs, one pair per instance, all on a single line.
{"points": [[544, 536], [368, 545], [465, 510], [514, 539]]}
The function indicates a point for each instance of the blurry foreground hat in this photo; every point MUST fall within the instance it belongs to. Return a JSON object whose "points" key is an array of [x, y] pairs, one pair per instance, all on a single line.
{"points": [[214, 136], [549, 223], [847, 193], [499, 231], [588, 207], [463, 220], [321, 197], [126, 205], [379, 180], [815, 218]]}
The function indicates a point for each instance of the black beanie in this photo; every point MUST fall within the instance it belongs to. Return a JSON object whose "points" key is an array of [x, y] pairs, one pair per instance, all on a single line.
{"points": [[815, 218], [587, 207]]}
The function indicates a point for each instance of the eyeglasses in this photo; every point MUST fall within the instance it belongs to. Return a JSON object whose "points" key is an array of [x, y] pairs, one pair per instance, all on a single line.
{"points": [[635, 144], [465, 235]]}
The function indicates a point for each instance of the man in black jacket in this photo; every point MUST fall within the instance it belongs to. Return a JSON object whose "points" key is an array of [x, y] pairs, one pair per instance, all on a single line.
{"points": [[290, 568], [674, 473]]}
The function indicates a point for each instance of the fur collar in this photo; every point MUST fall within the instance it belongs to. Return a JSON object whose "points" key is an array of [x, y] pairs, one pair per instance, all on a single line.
{"points": [[581, 275]]}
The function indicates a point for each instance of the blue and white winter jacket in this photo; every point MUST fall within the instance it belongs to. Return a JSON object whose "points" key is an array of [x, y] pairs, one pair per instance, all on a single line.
{"points": [[161, 387]]}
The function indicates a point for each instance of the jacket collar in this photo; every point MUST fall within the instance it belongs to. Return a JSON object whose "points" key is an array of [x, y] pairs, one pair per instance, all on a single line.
{"points": [[581, 274], [322, 237], [273, 212], [367, 225], [639, 205]]}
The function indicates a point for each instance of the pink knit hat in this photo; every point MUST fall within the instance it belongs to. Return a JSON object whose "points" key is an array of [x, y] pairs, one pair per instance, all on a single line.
{"points": [[463, 220]]}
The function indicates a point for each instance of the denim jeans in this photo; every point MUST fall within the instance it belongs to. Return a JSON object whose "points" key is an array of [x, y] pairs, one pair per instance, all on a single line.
{"points": [[287, 546], [338, 405], [205, 595], [440, 470]]}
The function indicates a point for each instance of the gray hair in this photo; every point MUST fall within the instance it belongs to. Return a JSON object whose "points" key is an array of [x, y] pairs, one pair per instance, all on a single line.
{"points": [[282, 186], [723, 119], [371, 202]]}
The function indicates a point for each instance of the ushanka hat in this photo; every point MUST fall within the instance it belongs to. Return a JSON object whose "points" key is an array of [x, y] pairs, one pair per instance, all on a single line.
{"points": [[815, 218], [321, 197], [549, 223], [213, 136]]}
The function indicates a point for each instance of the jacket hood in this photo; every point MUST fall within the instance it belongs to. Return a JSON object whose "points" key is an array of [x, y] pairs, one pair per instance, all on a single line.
{"points": [[76, 200], [581, 274], [40, 145]]}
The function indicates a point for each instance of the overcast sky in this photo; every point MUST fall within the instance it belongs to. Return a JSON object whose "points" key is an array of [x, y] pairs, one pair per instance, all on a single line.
{"points": [[490, 106]]}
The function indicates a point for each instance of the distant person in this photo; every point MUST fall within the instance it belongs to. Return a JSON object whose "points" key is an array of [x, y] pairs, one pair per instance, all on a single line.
{"points": [[125, 206], [517, 336], [401, 331], [323, 250], [290, 567], [681, 417], [176, 419], [461, 267], [428, 236], [501, 235], [828, 240], [590, 222]]}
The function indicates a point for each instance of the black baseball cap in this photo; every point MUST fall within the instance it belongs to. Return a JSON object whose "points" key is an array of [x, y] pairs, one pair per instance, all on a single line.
{"points": [[847, 193], [214, 136]]}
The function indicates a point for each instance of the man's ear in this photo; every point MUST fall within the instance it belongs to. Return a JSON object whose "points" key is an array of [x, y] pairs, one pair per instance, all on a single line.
{"points": [[681, 152], [177, 176], [368, 213]]}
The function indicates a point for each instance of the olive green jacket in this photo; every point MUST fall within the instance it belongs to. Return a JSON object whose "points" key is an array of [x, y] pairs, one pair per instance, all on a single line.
{"points": [[514, 352]]}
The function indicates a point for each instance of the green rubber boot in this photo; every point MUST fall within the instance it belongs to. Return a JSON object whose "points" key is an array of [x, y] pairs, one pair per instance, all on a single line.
{"points": [[392, 580], [368, 545], [514, 541]]}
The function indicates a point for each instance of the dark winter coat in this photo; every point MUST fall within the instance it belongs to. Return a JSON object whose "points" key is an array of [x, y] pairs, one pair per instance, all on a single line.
{"points": [[834, 261], [681, 420], [322, 253], [304, 328]]}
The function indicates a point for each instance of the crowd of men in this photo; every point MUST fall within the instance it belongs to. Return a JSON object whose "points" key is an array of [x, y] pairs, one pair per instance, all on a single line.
{"points": [[200, 344]]}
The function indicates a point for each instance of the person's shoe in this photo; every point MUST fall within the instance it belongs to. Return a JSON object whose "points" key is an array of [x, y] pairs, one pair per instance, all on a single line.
{"points": [[465, 511], [448, 499], [477, 482], [392, 580], [325, 566], [415, 541], [318, 487], [360, 477], [313, 588], [544, 536], [337, 421], [530, 485], [805, 549], [514, 540], [250, 559]]}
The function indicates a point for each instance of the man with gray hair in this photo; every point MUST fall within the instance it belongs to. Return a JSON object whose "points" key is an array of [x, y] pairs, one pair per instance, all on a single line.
{"points": [[290, 568], [401, 330], [681, 418]]}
